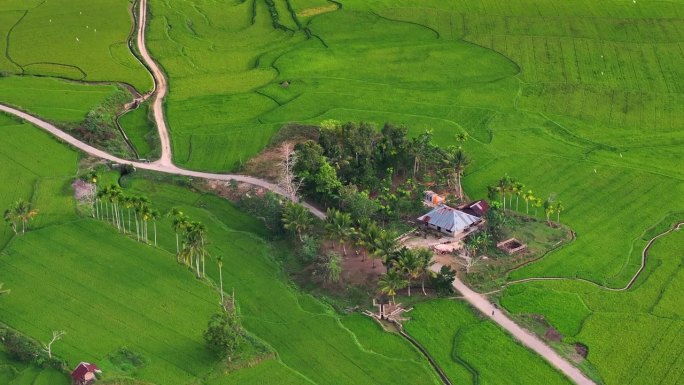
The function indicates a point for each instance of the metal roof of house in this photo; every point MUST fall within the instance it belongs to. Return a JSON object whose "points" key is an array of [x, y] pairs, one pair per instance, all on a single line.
{"points": [[449, 218]]}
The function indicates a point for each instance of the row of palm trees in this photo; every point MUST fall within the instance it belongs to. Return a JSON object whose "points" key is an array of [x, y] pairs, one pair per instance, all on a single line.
{"points": [[20, 212], [193, 248], [508, 187], [115, 207]]}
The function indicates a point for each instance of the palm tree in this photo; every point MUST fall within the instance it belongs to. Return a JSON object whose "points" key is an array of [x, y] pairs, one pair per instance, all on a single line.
{"points": [[195, 234], [365, 235], [424, 256], [92, 178], [408, 264], [296, 218], [391, 282], [549, 209], [461, 137], [537, 204], [559, 207], [517, 188], [457, 161], [339, 227], [219, 261], [142, 210], [24, 212], [154, 215], [179, 224], [11, 219], [385, 246], [502, 187], [527, 197]]}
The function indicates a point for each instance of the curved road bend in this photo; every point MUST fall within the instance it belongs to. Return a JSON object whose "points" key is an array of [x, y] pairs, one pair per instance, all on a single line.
{"points": [[160, 89], [165, 165], [156, 166]]}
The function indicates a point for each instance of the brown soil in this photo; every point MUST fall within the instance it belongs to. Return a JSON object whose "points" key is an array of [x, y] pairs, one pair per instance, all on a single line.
{"points": [[225, 190], [359, 272]]}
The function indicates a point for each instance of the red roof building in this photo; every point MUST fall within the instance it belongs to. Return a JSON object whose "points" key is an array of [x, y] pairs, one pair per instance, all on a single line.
{"points": [[477, 208], [84, 373]]}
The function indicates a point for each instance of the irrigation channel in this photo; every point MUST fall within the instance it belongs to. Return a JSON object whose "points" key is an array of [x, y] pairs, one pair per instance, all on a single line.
{"points": [[165, 165]]}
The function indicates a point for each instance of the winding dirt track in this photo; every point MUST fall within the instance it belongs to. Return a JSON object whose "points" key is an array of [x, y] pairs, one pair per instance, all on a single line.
{"points": [[165, 165]]}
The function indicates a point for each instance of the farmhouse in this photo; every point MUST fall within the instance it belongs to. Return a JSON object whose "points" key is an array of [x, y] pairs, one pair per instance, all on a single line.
{"points": [[84, 373], [449, 220]]}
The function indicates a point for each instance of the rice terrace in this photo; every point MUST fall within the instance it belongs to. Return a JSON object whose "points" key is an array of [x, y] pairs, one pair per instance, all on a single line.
{"points": [[214, 192]]}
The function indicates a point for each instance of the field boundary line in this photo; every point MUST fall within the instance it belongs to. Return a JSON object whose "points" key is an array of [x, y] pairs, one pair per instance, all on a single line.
{"points": [[644, 257]]}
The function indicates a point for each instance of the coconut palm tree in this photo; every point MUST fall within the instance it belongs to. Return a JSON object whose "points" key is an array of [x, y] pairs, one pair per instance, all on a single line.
{"points": [[391, 282], [549, 209], [559, 207], [527, 197], [154, 215], [517, 188], [141, 208], [461, 138], [424, 257], [296, 218], [385, 246], [502, 187], [457, 161], [409, 265], [179, 224], [195, 237], [339, 227], [219, 261], [537, 204], [24, 212]]}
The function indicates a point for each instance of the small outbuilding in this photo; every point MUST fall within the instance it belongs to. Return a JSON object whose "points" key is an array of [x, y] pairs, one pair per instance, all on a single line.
{"points": [[84, 374], [449, 220]]}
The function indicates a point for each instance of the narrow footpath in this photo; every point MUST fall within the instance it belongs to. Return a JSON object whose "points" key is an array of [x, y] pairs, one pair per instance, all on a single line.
{"points": [[165, 165]]}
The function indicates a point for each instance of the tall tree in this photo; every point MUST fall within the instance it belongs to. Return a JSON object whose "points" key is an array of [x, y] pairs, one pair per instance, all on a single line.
{"points": [[297, 219], [456, 161], [517, 188], [408, 264], [528, 197], [549, 209], [219, 261], [558, 207], [339, 227], [154, 215], [391, 282], [179, 224], [24, 212], [424, 256], [385, 246]]}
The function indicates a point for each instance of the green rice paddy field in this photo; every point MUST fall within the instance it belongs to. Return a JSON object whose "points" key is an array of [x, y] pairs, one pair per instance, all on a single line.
{"points": [[581, 99]]}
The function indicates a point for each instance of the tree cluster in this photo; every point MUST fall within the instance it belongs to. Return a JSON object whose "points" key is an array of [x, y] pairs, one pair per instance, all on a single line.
{"points": [[224, 334], [375, 173], [22, 213], [507, 188], [193, 247]]}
